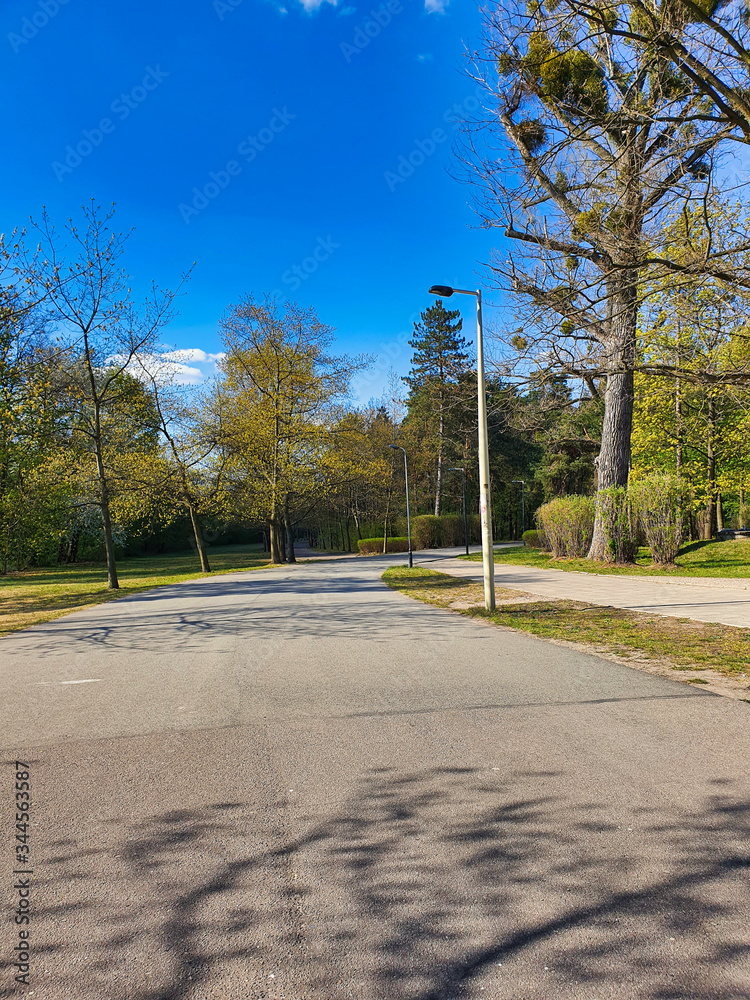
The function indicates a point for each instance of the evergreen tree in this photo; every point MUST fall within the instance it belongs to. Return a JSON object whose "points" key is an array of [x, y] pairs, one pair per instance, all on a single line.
{"points": [[439, 361]]}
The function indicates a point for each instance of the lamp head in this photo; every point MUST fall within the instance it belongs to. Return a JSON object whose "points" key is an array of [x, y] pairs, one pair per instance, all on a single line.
{"points": [[444, 290]]}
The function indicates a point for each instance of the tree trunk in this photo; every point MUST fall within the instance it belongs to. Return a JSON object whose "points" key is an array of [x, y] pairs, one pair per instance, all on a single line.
{"points": [[439, 480], [109, 545], [290, 557], [75, 539], [678, 403], [710, 519], [277, 555], [613, 461], [199, 543]]}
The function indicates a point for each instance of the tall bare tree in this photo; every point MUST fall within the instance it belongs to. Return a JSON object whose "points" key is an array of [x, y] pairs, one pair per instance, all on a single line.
{"points": [[77, 278], [590, 138]]}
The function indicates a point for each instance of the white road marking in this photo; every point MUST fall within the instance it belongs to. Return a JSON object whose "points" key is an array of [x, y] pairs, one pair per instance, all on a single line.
{"points": [[88, 680]]}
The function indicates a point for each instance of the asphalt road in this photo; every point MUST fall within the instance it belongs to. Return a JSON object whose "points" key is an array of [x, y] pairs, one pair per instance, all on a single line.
{"points": [[296, 784]]}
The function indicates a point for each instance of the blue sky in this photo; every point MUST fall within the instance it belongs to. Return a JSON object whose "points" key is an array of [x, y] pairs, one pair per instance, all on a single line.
{"points": [[263, 141]]}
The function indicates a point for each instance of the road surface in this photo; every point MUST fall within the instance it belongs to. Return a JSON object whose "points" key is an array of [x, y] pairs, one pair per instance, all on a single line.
{"points": [[295, 784]]}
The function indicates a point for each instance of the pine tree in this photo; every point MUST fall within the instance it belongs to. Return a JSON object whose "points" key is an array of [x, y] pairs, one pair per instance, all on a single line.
{"points": [[440, 359]]}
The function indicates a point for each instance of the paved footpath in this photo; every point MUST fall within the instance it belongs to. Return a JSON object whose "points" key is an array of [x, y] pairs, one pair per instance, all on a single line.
{"points": [[706, 599], [297, 784]]}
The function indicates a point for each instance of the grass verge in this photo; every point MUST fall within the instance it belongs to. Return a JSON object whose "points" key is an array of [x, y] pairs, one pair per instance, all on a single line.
{"points": [[680, 642], [722, 559], [39, 595]]}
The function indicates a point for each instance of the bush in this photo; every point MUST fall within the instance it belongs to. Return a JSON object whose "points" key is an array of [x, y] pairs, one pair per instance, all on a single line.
{"points": [[535, 539], [660, 501], [373, 546], [568, 524], [430, 532], [619, 523]]}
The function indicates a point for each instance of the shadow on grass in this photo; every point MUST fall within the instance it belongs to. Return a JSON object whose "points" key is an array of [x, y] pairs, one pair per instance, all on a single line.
{"points": [[419, 886], [694, 547], [155, 568], [429, 581]]}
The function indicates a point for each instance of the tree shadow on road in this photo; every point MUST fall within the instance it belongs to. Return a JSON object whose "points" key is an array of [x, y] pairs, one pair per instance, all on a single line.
{"points": [[347, 607], [430, 885]]}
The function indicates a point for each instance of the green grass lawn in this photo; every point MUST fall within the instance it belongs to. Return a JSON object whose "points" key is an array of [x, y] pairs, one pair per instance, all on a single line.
{"points": [[727, 559], [38, 595], [681, 642]]}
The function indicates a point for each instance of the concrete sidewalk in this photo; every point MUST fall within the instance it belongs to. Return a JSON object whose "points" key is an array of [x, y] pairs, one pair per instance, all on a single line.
{"points": [[705, 599]]}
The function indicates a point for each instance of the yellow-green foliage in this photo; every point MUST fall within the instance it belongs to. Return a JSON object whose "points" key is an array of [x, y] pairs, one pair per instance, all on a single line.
{"points": [[590, 221], [568, 524], [571, 77]]}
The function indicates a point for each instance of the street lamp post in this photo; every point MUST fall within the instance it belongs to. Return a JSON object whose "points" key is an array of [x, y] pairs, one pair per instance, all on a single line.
{"points": [[523, 509], [463, 490], [397, 447], [485, 508]]}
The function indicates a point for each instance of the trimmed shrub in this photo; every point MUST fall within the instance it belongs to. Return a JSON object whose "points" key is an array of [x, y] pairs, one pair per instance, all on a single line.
{"points": [[374, 546], [426, 532], [568, 524], [430, 532], [619, 523], [660, 501], [535, 539]]}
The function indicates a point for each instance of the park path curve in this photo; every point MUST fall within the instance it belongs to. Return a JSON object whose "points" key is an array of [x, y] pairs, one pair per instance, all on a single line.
{"points": [[706, 599]]}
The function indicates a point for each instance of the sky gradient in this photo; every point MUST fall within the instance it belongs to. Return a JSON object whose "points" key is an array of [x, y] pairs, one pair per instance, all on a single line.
{"points": [[302, 149]]}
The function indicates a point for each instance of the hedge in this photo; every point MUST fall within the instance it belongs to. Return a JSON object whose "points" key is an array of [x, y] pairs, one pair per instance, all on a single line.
{"points": [[373, 546], [430, 532]]}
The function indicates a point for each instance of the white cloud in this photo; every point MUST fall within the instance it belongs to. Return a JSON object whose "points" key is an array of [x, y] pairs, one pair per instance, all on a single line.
{"points": [[424, 57], [186, 366], [435, 6], [181, 374], [313, 5], [192, 354]]}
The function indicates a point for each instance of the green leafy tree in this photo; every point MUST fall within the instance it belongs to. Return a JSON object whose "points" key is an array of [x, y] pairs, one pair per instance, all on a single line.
{"points": [[278, 390]]}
